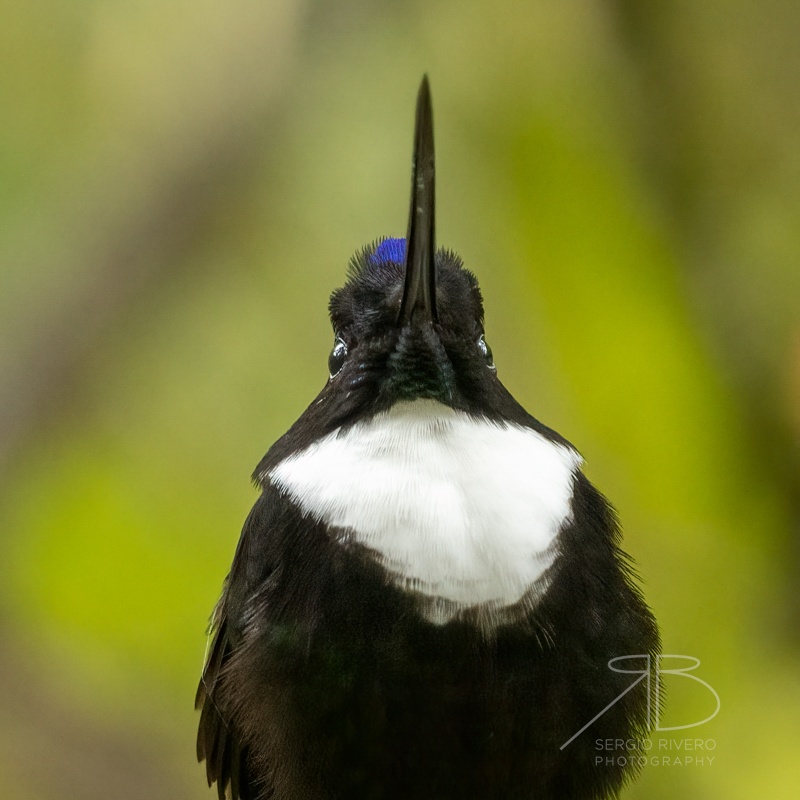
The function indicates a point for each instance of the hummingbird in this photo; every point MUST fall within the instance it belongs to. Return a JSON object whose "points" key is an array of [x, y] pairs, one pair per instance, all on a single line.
{"points": [[426, 597]]}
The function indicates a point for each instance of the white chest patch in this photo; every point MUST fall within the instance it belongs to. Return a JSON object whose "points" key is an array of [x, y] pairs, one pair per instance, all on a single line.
{"points": [[457, 508]]}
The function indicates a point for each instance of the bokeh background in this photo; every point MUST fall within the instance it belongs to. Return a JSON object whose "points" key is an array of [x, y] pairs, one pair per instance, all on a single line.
{"points": [[181, 186]]}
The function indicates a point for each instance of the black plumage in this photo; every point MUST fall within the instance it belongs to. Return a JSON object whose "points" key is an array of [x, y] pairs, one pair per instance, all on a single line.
{"points": [[326, 678]]}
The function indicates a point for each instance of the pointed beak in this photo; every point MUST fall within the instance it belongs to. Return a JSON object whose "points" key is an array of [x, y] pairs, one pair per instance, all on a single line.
{"points": [[419, 289]]}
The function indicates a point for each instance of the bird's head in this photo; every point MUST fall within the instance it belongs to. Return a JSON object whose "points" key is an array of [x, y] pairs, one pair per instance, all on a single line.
{"points": [[409, 322], [406, 332]]}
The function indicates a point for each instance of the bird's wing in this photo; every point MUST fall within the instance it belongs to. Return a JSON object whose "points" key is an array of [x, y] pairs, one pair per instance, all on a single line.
{"points": [[226, 761], [219, 742]]}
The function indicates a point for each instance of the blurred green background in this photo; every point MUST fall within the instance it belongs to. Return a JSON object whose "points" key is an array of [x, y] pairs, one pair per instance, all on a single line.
{"points": [[181, 186]]}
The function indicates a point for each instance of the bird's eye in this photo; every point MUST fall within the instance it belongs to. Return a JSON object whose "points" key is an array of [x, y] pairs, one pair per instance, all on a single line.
{"points": [[486, 352], [337, 357]]}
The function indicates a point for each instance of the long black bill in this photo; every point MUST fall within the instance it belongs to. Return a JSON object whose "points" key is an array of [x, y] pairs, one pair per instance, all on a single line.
{"points": [[419, 290]]}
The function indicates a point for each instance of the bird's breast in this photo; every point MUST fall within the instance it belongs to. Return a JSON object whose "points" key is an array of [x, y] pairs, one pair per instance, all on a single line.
{"points": [[460, 509]]}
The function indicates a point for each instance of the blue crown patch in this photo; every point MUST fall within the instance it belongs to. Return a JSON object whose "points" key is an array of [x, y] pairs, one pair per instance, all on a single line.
{"points": [[390, 250]]}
